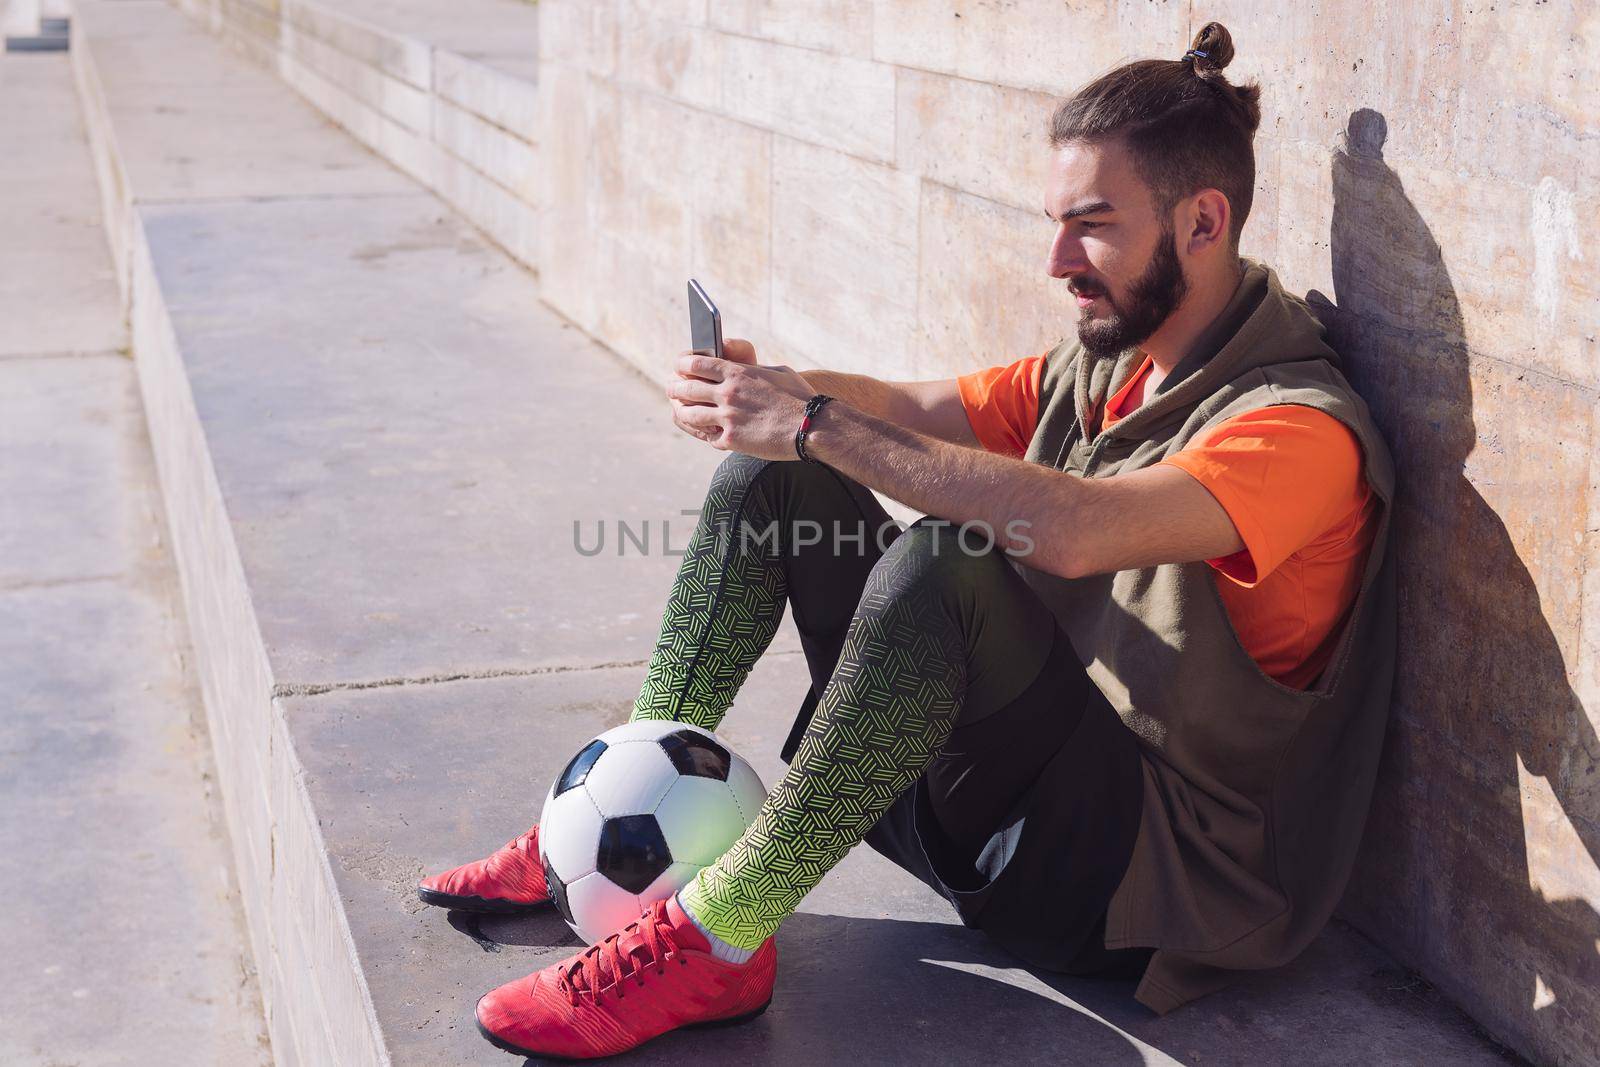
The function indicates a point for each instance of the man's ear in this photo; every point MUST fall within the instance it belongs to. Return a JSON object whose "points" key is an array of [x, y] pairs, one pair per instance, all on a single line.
{"points": [[1209, 217]]}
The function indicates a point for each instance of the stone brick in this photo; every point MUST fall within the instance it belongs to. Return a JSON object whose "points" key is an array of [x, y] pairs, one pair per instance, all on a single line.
{"points": [[1052, 47], [837, 102], [1304, 221], [488, 148], [1536, 482], [983, 139], [576, 111], [1588, 685], [1404, 244], [683, 62], [840, 27], [395, 99], [1260, 236], [644, 193], [643, 313], [405, 58], [985, 298], [509, 219], [1313, 77], [1517, 67], [582, 33], [844, 259], [509, 102], [1531, 106], [685, 194], [404, 147], [251, 26], [731, 226], [689, 12], [1525, 293]]}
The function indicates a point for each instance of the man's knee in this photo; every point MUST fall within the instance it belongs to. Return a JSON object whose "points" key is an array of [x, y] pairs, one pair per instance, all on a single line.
{"points": [[939, 553], [738, 471]]}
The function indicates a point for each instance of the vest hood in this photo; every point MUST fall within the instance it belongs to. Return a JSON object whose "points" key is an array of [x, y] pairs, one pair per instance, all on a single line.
{"points": [[1262, 325]]}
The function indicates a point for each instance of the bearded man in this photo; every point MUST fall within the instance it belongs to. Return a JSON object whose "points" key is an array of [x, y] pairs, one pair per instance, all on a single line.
{"points": [[1136, 732]]}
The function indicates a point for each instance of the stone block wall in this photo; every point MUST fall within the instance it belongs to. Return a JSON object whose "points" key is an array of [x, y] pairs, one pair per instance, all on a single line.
{"points": [[459, 116], [858, 184]]}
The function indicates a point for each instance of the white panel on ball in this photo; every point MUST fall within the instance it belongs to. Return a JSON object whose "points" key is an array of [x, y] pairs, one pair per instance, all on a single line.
{"points": [[747, 788], [670, 881], [630, 778], [568, 831], [699, 819], [600, 907], [644, 730]]}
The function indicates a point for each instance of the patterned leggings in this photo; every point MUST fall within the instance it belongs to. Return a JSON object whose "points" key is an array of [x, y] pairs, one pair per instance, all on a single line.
{"points": [[909, 635]]}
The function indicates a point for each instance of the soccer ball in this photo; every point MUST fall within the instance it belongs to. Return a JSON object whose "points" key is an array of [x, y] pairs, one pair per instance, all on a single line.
{"points": [[635, 814]]}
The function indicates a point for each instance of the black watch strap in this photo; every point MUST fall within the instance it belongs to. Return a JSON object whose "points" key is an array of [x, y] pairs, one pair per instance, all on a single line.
{"points": [[814, 405]]}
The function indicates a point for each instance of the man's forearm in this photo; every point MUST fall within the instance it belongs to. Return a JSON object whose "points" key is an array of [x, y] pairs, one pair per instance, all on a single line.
{"points": [[1029, 508], [932, 408], [864, 393]]}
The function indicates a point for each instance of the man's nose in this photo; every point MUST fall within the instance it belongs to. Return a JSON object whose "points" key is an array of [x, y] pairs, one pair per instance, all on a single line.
{"points": [[1066, 255]]}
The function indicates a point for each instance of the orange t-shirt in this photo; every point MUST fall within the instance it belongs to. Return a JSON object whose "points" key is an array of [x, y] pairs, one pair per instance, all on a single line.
{"points": [[1290, 478]]}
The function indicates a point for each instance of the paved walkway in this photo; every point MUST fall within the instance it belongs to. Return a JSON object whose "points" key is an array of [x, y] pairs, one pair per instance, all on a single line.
{"points": [[122, 933]]}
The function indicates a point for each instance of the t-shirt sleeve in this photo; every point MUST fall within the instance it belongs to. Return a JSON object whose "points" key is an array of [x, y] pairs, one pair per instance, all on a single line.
{"points": [[1285, 474], [1002, 404]]}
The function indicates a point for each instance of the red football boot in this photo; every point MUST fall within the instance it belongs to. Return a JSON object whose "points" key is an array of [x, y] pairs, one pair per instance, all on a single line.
{"points": [[656, 974], [508, 880]]}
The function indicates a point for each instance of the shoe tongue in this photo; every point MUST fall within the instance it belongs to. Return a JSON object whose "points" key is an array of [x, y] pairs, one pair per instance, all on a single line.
{"points": [[684, 929], [634, 951]]}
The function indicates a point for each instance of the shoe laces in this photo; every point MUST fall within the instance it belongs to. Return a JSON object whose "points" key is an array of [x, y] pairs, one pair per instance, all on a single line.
{"points": [[525, 842], [644, 945]]}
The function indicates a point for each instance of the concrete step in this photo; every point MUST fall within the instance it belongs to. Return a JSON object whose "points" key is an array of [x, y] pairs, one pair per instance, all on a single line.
{"points": [[374, 444], [124, 940]]}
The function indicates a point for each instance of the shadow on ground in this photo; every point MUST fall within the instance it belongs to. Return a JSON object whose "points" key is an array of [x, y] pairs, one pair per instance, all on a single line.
{"points": [[895, 991], [879, 991]]}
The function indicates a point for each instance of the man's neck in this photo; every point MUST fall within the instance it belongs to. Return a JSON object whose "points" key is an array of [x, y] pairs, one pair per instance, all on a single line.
{"points": [[1206, 300]]}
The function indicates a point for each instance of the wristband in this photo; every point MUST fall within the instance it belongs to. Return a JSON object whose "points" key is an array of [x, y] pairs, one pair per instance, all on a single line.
{"points": [[814, 405]]}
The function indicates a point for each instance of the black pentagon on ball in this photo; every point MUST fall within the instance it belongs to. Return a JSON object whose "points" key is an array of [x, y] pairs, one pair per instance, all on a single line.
{"points": [[696, 755], [633, 853], [578, 768], [558, 892]]}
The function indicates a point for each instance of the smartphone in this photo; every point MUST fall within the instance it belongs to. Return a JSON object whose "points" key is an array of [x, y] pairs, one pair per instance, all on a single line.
{"points": [[705, 322]]}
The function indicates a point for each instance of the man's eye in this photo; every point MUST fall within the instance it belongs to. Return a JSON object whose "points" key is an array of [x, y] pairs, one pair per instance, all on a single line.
{"points": [[1091, 225]]}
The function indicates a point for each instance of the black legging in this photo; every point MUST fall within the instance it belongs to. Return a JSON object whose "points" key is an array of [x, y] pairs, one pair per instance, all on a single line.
{"points": [[1025, 691], [931, 653]]}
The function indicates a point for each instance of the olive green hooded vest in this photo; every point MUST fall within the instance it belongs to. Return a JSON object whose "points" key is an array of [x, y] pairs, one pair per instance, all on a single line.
{"points": [[1255, 794]]}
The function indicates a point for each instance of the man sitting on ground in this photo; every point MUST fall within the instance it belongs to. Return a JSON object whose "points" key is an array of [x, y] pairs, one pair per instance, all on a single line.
{"points": [[1138, 734]]}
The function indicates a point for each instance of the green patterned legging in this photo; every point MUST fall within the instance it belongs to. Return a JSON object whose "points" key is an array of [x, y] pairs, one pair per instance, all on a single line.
{"points": [[902, 642]]}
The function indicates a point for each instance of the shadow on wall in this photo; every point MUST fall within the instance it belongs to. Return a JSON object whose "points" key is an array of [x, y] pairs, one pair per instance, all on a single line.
{"points": [[1446, 877]]}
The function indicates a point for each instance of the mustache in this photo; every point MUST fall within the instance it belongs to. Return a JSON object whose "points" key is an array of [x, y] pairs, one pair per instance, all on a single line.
{"points": [[1085, 287]]}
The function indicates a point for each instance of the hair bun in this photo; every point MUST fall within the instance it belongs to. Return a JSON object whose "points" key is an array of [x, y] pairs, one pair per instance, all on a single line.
{"points": [[1212, 48]]}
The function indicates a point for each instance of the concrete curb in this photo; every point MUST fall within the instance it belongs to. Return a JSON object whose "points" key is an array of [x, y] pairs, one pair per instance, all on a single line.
{"points": [[317, 1003], [116, 200]]}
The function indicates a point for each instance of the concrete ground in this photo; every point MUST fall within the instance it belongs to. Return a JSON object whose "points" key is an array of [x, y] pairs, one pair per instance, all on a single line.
{"points": [[122, 932]]}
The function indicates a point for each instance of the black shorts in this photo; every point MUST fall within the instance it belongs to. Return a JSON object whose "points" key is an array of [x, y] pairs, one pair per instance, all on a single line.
{"points": [[1026, 818], [1026, 821]]}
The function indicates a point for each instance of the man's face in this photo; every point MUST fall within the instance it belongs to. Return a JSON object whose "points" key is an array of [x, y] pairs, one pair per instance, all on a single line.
{"points": [[1118, 257]]}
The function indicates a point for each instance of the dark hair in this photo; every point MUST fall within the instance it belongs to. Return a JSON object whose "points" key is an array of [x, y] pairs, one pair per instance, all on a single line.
{"points": [[1186, 126]]}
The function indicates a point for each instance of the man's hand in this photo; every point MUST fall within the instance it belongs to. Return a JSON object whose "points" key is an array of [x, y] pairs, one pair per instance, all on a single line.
{"points": [[739, 351], [734, 405]]}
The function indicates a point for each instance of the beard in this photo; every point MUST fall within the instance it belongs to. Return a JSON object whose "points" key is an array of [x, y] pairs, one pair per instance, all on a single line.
{"points": [[1150, 299]]}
